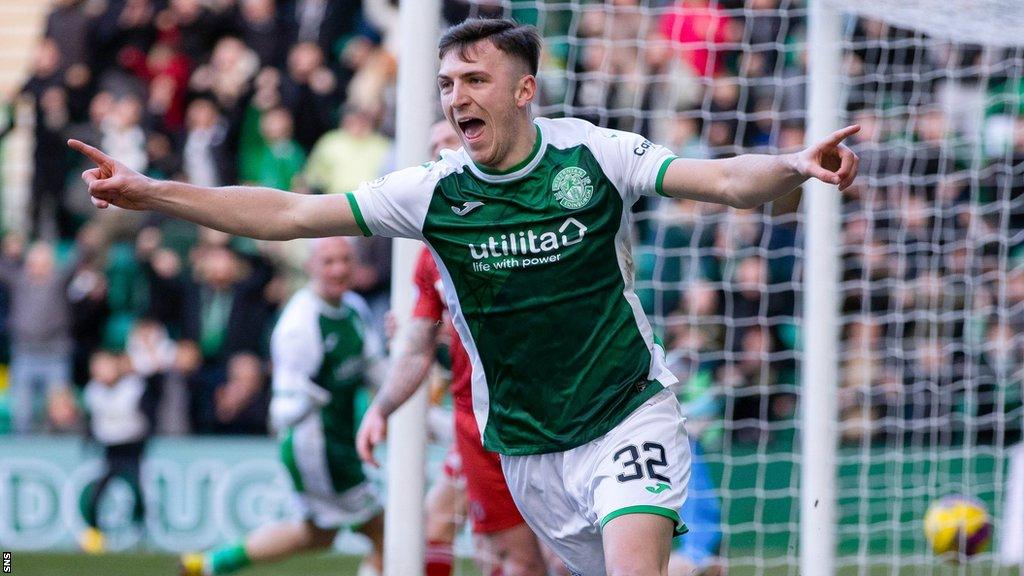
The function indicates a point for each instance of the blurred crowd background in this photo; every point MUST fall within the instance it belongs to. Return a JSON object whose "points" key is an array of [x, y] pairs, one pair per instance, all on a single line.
{"points": [[299, 95]]}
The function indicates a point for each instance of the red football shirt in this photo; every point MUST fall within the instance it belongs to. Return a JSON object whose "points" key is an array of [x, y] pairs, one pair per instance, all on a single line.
{"points": [[430, 305]]}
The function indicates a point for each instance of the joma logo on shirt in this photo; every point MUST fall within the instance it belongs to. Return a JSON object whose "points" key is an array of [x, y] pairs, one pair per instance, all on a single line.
{"points": [[527, 242]]}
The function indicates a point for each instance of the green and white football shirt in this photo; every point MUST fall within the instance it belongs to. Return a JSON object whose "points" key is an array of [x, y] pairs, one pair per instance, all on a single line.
{"points": [[330, 347], [538, 276]]}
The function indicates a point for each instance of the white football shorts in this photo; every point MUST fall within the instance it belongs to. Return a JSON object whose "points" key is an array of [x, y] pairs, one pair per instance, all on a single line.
{"points": [[642, 466], [352, 508]]}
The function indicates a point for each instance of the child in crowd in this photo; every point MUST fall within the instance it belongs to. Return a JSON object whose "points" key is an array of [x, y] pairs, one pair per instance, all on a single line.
{"points": [[116, 401]]}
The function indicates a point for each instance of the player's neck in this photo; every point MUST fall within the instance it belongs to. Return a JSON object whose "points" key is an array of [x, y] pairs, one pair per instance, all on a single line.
{"points": [[330, 301], [523, 148]]}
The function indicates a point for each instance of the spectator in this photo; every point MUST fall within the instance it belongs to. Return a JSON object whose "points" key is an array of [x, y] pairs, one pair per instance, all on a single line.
{"points": [[698, 28], [617, 74], [869, 390], [765, 31], [196, 25], [227, 77], [116, 402], [373, 71], [87, 297], [239, 404], [124, 24], [280, 160], [123, 132], [155, 358], [322, 23], [164, 70], [68, 26], [205, 158], [48, 214], [224, 309], [226, 80], [349, 155], [161, 157], [754, 385], [261, 29], [224, 313], [165, 277], [311, 92], [40, 329]]}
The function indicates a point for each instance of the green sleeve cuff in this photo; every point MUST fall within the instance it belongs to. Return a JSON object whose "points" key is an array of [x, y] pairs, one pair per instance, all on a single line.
{"points": [[659, 182], [358, 214], [678, 527]]}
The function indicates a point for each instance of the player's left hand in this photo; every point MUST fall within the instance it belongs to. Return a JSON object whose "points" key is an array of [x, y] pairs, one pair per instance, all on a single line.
{"points": [[830, 160], [372, 431]]}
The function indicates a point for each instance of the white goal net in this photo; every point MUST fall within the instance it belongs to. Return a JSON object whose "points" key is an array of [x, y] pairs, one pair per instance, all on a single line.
{"points": [[931, 347]]}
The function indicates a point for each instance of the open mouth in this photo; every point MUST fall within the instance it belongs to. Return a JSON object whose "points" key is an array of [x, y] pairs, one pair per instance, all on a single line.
{"points": [[472, 128]]}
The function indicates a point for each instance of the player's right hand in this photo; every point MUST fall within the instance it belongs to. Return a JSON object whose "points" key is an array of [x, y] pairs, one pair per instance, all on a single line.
{"points": [[372, 431], [111, 182]]}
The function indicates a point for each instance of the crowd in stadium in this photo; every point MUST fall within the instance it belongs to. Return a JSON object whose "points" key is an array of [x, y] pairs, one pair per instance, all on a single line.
{"points": [[298, 95]]}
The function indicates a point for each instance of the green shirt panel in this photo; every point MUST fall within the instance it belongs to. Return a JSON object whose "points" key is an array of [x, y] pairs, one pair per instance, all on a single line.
{"points": [[341, 374], [538, 279]]}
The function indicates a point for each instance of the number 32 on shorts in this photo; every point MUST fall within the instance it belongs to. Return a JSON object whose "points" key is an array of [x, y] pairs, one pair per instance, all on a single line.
{"points": [[641, 462]]}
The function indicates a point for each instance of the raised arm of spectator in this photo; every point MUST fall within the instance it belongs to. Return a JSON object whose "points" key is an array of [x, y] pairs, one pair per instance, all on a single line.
{"points": [[251, 211], [408, 370], [750, 180]]}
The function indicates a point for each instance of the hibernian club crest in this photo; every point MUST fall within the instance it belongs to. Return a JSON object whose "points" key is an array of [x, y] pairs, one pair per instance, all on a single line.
{"points": [[572, 187]]}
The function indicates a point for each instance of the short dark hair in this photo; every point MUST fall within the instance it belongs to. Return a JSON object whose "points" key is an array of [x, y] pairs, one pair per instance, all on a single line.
{"points": [[512, 38]]}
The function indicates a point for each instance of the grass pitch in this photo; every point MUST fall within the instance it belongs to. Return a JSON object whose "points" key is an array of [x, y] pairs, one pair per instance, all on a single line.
{"points": [[153, 564]]}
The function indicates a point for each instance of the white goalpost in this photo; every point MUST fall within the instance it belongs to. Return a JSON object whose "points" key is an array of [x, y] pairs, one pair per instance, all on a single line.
{"points": [[406, 455], [819, 437]]}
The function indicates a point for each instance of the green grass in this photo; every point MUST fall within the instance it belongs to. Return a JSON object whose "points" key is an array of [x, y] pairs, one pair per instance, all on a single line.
{"points": [[143, 564]]}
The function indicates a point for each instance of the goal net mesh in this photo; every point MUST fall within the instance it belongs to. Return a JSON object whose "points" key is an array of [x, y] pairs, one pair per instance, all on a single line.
{"points": [[932, 290]]}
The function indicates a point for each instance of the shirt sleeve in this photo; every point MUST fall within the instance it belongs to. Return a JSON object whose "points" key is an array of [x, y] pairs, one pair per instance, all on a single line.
{"points": [[634, 163], [297, 351], [395, 205], [296, 346], [428, 302]]}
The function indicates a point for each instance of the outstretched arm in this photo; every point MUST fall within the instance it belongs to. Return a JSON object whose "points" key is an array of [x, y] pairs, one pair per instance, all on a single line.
{"points": [[407, 373], [750, 180], [262, 213]]}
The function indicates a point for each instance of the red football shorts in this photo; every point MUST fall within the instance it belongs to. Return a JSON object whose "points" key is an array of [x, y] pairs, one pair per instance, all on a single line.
{"points": [[491, 508]]}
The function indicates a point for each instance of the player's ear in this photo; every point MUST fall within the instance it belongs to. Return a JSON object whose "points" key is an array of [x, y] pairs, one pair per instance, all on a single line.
{"points": [[526, 89]]}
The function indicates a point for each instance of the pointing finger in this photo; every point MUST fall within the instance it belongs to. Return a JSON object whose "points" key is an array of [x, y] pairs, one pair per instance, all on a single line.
{"points": [[842, 134], [94, 154]]}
